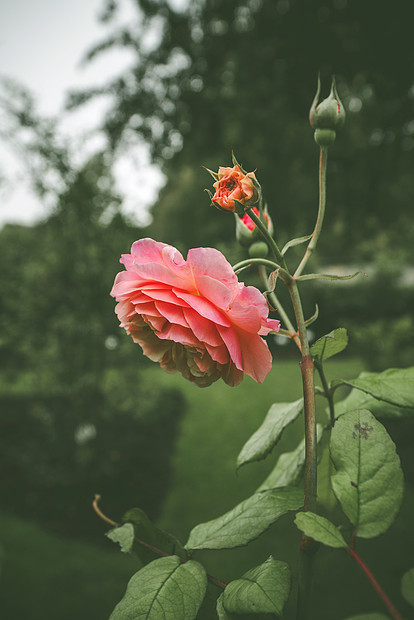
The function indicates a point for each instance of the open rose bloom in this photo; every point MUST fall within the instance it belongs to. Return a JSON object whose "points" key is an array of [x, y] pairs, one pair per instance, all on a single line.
{"points": [[233, 184], [193, 316]]}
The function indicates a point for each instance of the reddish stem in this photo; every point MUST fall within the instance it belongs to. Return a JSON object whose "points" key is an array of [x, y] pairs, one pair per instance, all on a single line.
{"points": [[393, 611], [102, 516]]}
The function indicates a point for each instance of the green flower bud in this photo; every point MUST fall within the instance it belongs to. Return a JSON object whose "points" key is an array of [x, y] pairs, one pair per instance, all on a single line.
{"points": [[259, 249], [324, 137], [327, 116], [246, 230]]}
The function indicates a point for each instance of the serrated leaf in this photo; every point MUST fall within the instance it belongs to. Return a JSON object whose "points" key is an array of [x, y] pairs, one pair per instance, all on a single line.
{"points": [[124, 535], [369, 617], [165, 589], [268, 434], [293, 242], [327, 276], [407, 586], [246, 521], [395, 385], [263, 589], [329, 345], [152, 535], [357, 399], [289, 466], [320, 529], [368, 481]]}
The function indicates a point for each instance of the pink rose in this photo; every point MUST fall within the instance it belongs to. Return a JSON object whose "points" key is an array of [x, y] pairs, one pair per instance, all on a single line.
{"points": [[233, 184], [193, 316]]}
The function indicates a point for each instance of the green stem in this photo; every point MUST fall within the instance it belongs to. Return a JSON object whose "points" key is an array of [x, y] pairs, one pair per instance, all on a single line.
{"points": [[268, 238], [309, 401], [307, 548], [323, 160], [327, 392], [292, 333], [285, 275]]}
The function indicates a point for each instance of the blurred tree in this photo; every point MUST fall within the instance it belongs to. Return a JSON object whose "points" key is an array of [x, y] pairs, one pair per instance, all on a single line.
{"points": [[210, 76], [69, 378]]}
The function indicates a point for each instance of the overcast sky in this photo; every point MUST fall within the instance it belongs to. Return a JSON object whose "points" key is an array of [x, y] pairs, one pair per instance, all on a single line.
{"points": [[41, 45]]}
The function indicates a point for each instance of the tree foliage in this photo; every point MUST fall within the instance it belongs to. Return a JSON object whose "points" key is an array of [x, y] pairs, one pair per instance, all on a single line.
{"points": [[238, 75]]}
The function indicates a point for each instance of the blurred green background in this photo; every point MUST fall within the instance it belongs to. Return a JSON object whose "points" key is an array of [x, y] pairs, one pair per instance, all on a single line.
{"points": [[82, 411]]}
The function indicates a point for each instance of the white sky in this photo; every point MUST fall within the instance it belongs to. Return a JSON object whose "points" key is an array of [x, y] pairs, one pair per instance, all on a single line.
{"points": [[41, 45]]}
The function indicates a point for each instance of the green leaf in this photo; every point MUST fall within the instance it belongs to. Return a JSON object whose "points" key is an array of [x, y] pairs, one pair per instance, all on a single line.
{"points": [[407, 586], [357, 399], [221, 612], [320, 529], [152, 535], [395, 385], [268, 434], [314, 316], [124, 535], [165, 589], [329, 345], [293, 242], [369, 617], [246, 521], [368, 481], [263, 589], [289, 467], [327, 276]]}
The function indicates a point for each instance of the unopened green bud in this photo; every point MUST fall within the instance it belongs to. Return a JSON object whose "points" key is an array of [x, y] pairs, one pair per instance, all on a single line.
{"points": [[246, 230], [259, 249], [324, 137], [327, 116]]}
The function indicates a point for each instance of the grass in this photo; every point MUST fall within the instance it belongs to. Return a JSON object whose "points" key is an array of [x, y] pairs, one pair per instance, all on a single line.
{"points": [[46, 577], [219, 421], [205, 484]]}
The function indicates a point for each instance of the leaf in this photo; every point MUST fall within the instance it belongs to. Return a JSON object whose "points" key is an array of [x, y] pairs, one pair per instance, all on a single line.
{"points": [[320, 529], [152, 535], [124, 535], [246, 521], [374, 616], [368, 481], [329, 345], [314, 316], [395, 385], [327, 276], [165, 589], [407, 586], [293, 242], [221, 612], [263, 589], [268, 434], [289, 467], [357, 399]]}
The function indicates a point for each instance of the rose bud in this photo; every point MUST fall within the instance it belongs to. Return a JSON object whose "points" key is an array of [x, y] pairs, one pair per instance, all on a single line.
{"points": [[327, 116], [247, 231], [235, 189]]}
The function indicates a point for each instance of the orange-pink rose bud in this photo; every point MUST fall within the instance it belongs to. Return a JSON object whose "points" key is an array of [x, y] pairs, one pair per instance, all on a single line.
{"points": [[233, 186]]}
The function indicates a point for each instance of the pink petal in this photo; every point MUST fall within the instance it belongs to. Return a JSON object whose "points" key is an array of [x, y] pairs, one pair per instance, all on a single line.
{"points": [[230, 339], [204, 329], [173, 313], [246, 317], [179, 334], [257, 359], [203, 307], [210, 262]]}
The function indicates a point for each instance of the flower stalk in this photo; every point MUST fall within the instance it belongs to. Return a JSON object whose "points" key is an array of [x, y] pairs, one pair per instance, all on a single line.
{"points": [[323, 161]]}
